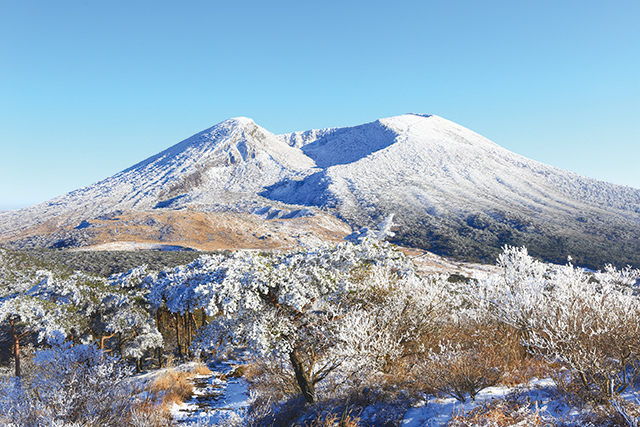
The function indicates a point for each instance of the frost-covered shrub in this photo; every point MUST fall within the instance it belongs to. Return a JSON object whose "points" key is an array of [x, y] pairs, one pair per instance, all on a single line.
{"points": [[622, 410], [270, 379], [589, 322], [518, 293], [82, 383], [460, 372], [149, 417], [71, 384], [592, 326], [504, 413], [16, 406], [391, 318]]}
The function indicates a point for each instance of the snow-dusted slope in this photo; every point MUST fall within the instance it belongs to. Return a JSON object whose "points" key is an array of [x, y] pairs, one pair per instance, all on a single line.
{"points": [[452, 190], [438, 167], [226, 164], [455, 192]]}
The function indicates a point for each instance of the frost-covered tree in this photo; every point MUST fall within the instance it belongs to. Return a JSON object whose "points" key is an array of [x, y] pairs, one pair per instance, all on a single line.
{"points": [[80, 307], [125, 312], [292, 305], [391, 318], [517, 292], [173, 292], [22, 316], [134, 327]]}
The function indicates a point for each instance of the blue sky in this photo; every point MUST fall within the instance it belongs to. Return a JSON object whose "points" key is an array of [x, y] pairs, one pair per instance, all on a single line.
{"points": [[88, 89]]}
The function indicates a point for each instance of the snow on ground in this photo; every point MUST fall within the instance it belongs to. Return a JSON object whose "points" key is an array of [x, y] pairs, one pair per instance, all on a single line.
{"points": [[221, 396], [540, 396], [438, 411], [132, 246], [430, 263]]}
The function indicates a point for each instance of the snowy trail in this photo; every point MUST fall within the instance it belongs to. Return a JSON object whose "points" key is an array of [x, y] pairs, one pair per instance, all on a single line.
{"points": [[218, 397]]}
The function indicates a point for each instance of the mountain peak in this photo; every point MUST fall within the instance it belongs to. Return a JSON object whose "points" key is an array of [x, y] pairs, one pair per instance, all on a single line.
{"points": [[240, 121]]}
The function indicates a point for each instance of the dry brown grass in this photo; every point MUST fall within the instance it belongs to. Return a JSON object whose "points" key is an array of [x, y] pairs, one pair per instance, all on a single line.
{"points": [[191, 228], [201, 369], [174, 386], [333, 420], [171, 386], [147, 414]]}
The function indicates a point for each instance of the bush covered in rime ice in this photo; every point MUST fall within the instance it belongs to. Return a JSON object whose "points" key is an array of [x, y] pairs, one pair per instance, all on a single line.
{"points": [[588, 322], [71, 383]]}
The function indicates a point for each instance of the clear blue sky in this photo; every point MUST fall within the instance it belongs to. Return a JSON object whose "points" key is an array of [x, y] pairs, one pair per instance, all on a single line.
{"points": [[90, 88]]}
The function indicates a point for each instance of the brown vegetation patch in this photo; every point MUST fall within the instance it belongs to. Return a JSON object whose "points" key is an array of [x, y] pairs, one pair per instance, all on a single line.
{"points": [[333, 420], [172, 387], [175, 386], [189, 228]]}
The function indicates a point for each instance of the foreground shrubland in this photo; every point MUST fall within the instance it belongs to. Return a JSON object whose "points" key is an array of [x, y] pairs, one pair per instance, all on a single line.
{"points": [[347, 334]]}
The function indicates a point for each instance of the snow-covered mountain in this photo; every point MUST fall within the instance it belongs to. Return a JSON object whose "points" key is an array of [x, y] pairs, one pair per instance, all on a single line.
{"points": [[227, 163], [452, 191]]}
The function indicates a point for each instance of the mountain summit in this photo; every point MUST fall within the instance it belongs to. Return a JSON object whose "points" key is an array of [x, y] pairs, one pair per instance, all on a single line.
{"points": [[452, 191]]}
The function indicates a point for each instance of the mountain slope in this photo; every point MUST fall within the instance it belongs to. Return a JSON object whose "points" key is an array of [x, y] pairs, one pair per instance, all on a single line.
{"points": [[217, 170], [453, 191], [457, 193], [227, 162]]}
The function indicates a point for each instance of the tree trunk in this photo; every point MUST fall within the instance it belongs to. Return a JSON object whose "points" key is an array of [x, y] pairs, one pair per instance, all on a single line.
{"points": [[179, 344], [305, 383], [186, 335], [204, 318], [103, 339], [160, 320], [16, 354], [194, 325], [120, 343], [189, 329], [16, 346]]}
